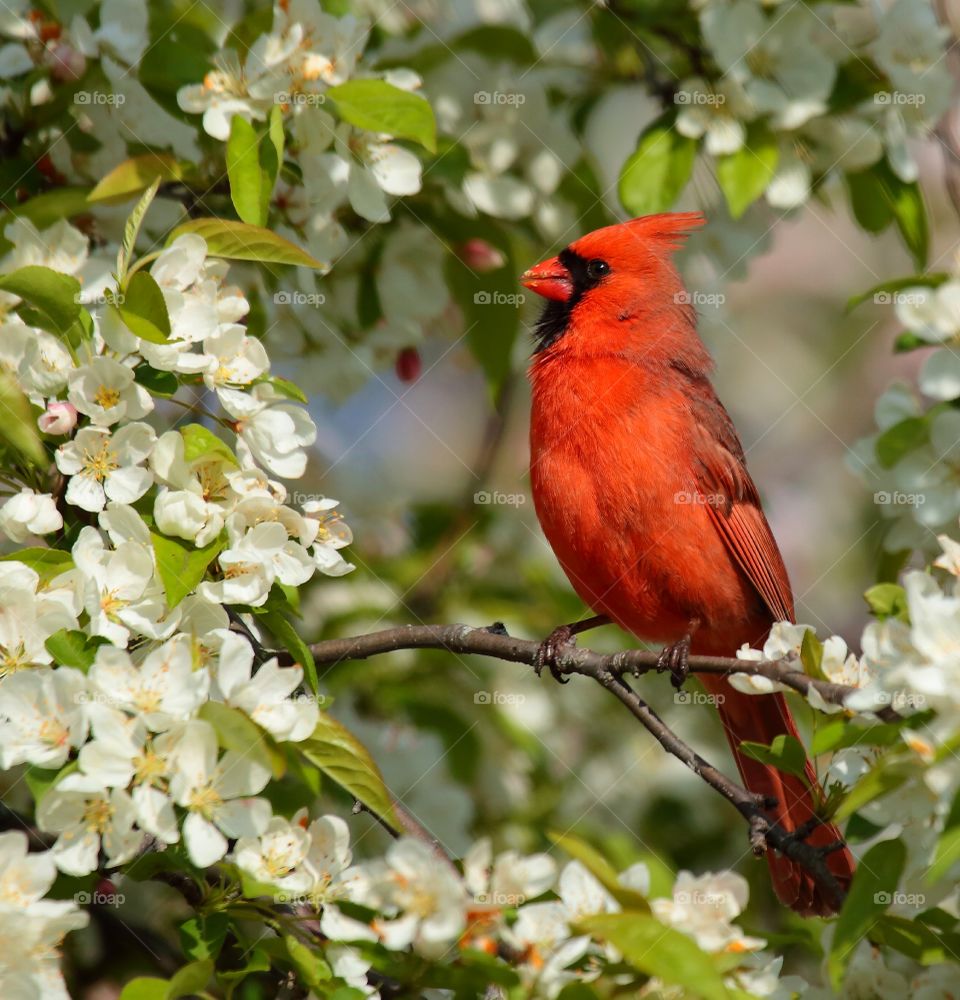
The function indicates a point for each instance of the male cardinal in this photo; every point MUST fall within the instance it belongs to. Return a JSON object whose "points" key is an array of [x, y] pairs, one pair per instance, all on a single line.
{"points": [[641, 487]]}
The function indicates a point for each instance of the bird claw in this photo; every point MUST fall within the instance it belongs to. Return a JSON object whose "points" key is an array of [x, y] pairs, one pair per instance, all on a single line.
{"points": [[547, 653], [675, 658]]}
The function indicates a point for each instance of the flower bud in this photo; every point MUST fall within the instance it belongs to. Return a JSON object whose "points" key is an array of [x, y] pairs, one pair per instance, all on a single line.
{"points": [[60, 418], [408, 365], [66, 63], [481, 256]]}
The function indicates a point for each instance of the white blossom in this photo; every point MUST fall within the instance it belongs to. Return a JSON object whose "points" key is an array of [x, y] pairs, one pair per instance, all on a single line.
{"points": [[29, 513], [88, 818], [106, 466], [105, 391], [217, 794]]}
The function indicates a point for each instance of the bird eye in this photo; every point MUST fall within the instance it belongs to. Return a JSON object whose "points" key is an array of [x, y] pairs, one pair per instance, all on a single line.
{"points": [[597, 269]]}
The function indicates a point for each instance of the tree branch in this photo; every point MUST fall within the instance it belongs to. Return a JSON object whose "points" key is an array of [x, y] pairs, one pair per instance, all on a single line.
{"points": [[609, 670], [495, 642]]}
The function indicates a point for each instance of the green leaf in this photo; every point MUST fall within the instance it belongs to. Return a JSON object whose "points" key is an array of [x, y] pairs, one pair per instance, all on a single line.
{"points": [[888, 600], [345, 760], [203, 936], [311, 968], [190, 980], [237, 731], [878, 197], [182, 566], [786, 753], [653, 178], [131, 230], [378, 106], [910, 215], [912, 938], [41, 779], [811, 655], [276, 136], [201, 444], [871, 892], [838, 733], [744, 175], [255, 960], [901, 438], [948, 846], [47, 563], [498, 41], [241, 241], [288, 636], [907, 342], [156, 382], [659, 951], [870, 208], [137, 174], [146, 988], [489, 302], [55, 296], [285, 387], [18, 426], [252, 168], [73, 648], [601, 869], [883, 778], [143, 308], [883, 294]]}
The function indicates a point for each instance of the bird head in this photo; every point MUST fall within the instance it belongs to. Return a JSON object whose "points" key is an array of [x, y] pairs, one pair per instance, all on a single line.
{"points": [[605, 288]]}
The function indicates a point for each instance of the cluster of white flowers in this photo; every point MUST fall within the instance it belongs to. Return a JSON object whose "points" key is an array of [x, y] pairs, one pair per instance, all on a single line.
{"points": [[31, 927], [910, 464], [779, 65], [422, 901], [129, 723]]}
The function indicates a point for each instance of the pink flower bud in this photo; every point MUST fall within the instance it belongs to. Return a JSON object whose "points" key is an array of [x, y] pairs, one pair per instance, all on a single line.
{"points": [[60, 418], [480, 256], [66, 63]]}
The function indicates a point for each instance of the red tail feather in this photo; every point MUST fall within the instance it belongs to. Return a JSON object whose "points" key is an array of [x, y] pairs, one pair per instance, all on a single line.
{"points": [[761, 718]]}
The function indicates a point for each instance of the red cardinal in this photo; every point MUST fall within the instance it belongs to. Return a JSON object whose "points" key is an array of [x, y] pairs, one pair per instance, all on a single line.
{"points": [[642, 489]]}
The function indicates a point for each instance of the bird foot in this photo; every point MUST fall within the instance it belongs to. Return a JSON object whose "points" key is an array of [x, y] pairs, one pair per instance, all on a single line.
{"points": [[675, 659], [549, 649]]}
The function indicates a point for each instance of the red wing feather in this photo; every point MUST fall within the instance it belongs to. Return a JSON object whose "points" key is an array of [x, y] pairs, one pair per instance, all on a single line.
{"points": [[734, 505]]}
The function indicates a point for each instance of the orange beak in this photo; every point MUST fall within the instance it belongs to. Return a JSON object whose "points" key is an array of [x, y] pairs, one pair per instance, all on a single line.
{"points": [[549, 279]]}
